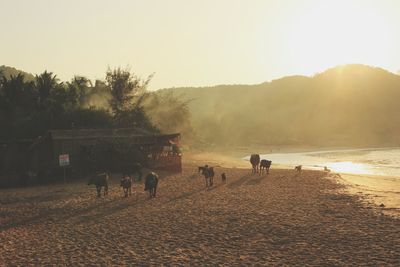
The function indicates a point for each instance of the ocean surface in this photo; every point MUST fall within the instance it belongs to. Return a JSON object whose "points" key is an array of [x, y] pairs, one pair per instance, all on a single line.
{"points": [[372, 161]]}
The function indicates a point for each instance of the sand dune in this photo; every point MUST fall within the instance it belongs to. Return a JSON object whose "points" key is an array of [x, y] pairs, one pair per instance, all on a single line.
{"points": [[275, 219]]}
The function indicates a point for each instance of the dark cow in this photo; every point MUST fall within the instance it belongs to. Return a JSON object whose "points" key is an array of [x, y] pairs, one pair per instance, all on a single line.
{"points": [[100, 180], [126, 183], [223, 177], [151, 183], [208, 173], [211, 175], [255, 162], [265, 165], [298, 168]]}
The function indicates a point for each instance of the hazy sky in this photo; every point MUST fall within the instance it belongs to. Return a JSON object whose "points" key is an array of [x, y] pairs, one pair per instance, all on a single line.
{"points": [[196, 43]]}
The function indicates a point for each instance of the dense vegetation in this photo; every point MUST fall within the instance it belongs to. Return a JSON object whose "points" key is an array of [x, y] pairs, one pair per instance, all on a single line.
{"points": [[351, 105], [31, 105]]}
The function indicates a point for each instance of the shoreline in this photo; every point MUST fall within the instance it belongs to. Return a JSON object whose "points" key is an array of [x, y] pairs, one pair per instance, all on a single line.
{"points": [[376, 190], [373, 189], [284, 149]]}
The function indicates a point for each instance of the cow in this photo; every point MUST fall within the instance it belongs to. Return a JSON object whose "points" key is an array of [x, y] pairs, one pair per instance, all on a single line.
{"points": [[100, 180], [151, 183], [211, 174], [208, 173], [126, 183], [200, 168], [298, 168], [255, 162], [265, 165]]}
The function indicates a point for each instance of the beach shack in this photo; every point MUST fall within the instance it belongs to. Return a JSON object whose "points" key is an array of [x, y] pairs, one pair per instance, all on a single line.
{"points": [[82, 151], [13, 158]]}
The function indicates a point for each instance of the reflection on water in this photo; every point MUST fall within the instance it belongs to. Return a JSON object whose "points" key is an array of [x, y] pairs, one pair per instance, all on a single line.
{"points": [[349, 167]]}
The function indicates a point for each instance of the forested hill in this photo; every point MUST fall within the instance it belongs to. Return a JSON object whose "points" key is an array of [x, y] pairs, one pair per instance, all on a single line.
{"points": [[350, 105], [10, 71]]}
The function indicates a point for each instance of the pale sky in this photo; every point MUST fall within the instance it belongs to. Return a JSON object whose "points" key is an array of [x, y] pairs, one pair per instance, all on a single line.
{"points": [[198, 43]]}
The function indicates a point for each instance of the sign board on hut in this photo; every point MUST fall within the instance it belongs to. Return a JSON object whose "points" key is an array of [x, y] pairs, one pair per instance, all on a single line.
{"points": [[63, 159]]}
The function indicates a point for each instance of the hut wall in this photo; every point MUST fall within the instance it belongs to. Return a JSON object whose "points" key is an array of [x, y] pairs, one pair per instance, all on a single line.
{"points": [[41, 156], [113, 152], [14, 157], [13, 163]]}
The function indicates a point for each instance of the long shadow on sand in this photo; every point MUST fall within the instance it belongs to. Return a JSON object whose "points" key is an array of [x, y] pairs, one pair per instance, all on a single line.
{"points": [[239, 182], [36, 199], [109, 211], [185, 195], [192, 193], [54, 215], [123, 205], [214, 187], [256, 180], [248, 180]]}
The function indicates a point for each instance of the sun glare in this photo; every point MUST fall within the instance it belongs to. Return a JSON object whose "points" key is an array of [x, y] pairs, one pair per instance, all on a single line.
{"points": [[349, 167], [326, 34]]}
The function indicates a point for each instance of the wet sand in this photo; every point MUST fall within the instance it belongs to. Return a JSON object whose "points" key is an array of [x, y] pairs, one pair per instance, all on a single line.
{"points": [[284, 218], [379, 190]]}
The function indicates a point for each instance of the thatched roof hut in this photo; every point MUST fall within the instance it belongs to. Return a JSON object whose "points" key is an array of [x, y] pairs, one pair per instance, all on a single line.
{"points": [[111, 149]]}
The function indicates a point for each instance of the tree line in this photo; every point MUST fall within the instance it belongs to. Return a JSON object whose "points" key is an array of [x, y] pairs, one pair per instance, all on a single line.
{"points": [[30, 107]]}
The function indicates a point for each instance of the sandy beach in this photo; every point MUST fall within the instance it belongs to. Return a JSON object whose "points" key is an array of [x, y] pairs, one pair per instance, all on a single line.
{"points": [[283, 218], [382, 190]]}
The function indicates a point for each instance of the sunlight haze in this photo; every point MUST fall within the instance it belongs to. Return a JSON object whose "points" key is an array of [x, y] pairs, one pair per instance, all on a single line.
{"points": [[200, 133], [198, 43]]}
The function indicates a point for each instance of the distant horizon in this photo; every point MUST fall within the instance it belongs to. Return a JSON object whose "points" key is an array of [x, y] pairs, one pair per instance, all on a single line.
{"points": [[221, 84]]}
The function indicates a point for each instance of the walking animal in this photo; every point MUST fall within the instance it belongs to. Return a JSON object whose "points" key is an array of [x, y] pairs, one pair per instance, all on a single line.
{"points": [[126, 183], [151, 183], [255, 163], [265, 165], [100, 180], [223, 177], [298, 168], [208, 173]]}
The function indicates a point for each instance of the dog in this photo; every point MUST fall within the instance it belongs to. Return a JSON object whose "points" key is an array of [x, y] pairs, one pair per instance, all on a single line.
{"points": [[298, 168], [223, 177]]}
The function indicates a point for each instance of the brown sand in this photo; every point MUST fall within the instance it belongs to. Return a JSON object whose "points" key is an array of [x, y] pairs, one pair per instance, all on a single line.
{"points": [[380, 190], [283, 218]]}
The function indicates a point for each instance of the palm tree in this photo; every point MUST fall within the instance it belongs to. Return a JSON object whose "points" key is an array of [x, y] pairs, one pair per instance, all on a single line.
{"points": [[12, 92], [45, 83], [83, 85]]}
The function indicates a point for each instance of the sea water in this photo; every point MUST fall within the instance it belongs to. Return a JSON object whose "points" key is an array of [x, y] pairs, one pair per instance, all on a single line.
{"points": [[372, 161]]}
